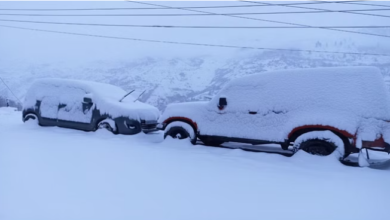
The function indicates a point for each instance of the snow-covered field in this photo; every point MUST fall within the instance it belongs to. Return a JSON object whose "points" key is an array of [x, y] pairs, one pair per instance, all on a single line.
{"points": [[55, 173]]}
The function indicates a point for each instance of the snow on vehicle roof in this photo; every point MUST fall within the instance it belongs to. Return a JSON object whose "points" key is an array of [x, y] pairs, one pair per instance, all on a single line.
{"points": [[102, 89], [105, 96], [354, 90]]}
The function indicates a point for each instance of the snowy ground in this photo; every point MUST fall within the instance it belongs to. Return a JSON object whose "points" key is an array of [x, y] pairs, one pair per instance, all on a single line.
{"points": [[54, 173]]}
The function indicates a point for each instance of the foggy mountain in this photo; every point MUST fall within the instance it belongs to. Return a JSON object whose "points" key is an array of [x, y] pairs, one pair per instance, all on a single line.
{"points": [[176, 79], [176, 73]]}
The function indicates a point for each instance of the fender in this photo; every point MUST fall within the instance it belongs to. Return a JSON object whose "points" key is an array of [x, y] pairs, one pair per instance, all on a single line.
{"points": [[29, 111], [303, 129], [183, 119]]}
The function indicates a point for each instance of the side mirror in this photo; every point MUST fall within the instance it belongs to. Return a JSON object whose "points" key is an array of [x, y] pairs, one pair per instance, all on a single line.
{"points": [[222, 103], [87, 100]]}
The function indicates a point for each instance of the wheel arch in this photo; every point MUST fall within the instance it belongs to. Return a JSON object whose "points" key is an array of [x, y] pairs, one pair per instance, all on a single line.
{"points": [[105, 118], [344, 135], [186, 125], [181, 119], [30, 112]]}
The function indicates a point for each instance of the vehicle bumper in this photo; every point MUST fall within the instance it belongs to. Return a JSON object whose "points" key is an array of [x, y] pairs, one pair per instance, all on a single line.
{"points": [[149, 126], [146, 131], [161, 126], [371, 155], [377, 145]]}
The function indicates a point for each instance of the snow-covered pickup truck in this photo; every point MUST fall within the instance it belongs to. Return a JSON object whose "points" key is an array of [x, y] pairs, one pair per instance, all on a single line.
{"points": [[87, 106], [320, 111]]}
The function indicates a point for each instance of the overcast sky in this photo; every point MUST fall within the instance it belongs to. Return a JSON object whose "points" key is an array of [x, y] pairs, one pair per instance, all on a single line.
{"points": [[35, 47]]}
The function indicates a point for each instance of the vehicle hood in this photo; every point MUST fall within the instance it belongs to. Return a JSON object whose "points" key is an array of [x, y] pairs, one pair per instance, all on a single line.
{"points": [[134, 110], [185, 109]]}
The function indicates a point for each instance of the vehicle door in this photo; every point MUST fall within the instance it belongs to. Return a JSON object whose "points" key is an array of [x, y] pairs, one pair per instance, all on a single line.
{"points": [[73, 112], [236, 112], [48, 110]]}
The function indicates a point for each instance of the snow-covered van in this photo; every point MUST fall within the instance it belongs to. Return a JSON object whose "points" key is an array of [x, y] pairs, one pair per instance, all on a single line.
{"points": [[86, 105], [317, 110]]}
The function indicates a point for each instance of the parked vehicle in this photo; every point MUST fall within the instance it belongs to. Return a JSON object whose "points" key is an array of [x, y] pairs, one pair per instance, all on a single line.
{"points": [[87, 106], [316, 110]]}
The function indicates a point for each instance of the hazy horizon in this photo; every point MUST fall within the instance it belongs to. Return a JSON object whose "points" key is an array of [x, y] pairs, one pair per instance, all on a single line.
{"points": [[39, 47]]}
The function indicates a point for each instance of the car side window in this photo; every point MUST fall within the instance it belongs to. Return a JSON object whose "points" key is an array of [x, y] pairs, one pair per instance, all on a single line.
{"points": [[87, 104]]}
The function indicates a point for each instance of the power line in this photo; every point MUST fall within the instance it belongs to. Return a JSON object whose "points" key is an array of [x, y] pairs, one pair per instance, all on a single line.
{"points": [[172, 15], [318, 10], [356, 3], [193, 7], [359, 13], [192, 26], [10, 90], [261, 19], [193, 44]]}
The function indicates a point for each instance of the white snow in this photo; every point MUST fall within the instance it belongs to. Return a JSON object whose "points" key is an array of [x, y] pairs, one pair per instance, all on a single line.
{"points": [[185, 126], [51, 173], [109, 122], [353, 99], [52, 91], [323, 135]]}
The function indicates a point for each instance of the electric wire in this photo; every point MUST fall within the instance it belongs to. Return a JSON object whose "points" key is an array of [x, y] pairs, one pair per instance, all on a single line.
{"points": [[194, 44], [192, 7], [10, 90], [189, 27], [261, 19], [318, 10]]}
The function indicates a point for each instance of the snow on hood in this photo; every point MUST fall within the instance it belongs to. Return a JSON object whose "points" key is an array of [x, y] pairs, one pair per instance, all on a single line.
{"points": [[105, 96]]}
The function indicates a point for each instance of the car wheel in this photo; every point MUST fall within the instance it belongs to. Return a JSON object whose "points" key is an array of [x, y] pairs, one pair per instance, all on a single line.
{"points": [[318, 147], [180, 130], [31, 117], [105, 124], [177, 133]]}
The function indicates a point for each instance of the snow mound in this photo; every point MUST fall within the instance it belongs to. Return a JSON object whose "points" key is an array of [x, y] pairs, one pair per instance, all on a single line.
{"points": [[7, 110], [322, 135], [185, 126]]}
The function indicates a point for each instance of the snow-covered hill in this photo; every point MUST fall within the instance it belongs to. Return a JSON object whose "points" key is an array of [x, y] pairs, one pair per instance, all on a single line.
{"points": [[177, 79]]}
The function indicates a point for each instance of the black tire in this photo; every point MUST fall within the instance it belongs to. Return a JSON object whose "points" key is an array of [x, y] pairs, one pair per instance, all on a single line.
{"points": [[178, 132], [31, 117], [318, 147], [107, 126], [210, 142]]}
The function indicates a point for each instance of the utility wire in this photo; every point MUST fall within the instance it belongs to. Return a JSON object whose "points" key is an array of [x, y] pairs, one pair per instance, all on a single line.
{"points": [[193, 44], [192, 26], [172, 15], [10, 90], [321, 10], [261, 19], [359, 13], [193, 7], [355, 3]]}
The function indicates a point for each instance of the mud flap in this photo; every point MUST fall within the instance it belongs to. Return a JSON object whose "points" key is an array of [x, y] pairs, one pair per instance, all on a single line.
{"points": [[363, 158]]}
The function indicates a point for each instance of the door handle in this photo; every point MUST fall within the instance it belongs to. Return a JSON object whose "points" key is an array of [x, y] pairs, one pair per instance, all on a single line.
{"points": [[252, 113]]}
